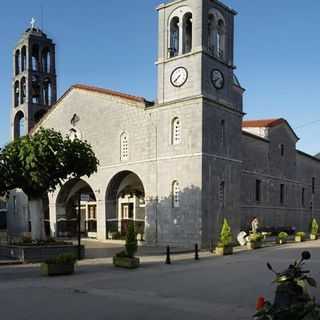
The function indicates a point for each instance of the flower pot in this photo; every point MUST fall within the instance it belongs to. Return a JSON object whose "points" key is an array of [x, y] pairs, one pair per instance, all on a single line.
{"points": [[57, 269], [224, 251], [313, 237], [281, 241], [298, 238], [252, 245], [125, 262]]}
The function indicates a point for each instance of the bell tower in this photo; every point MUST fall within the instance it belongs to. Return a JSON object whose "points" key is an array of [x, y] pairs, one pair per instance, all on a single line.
{"points": [[34, 86], [196, 52]]}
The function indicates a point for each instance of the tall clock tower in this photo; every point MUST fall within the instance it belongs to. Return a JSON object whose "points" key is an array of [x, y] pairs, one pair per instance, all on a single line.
{"points": [[196, 68], [195, 52], [34, 87]]}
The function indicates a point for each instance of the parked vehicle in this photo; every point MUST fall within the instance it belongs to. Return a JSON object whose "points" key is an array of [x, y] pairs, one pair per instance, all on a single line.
{"points": [[292, 300]]}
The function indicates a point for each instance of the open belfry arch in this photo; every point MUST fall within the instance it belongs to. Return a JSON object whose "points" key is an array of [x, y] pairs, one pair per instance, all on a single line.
{"points": [[34, 86]]}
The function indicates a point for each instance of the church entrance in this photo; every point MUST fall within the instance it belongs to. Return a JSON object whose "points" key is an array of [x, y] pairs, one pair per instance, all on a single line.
{"points": [[74, 197], [125, 203]]}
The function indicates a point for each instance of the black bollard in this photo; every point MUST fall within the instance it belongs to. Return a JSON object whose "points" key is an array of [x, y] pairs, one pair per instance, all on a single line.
{"points": [[196, 252], [168, 259]]}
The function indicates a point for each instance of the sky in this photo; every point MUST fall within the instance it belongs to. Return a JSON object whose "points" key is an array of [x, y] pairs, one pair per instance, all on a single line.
{"points": [[113, 44]]}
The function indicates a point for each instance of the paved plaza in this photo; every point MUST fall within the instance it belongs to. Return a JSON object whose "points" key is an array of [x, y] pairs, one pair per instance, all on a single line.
{"points": [[213, 288]]}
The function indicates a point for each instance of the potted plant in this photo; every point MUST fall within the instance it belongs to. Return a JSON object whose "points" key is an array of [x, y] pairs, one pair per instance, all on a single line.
{"points": [[60, 265], [255, 241], [299, 236], [282, 238], [314, 229], [224, 246], [126, 258]]}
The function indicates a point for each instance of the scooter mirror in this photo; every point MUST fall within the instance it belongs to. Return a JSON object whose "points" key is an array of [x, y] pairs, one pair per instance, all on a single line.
{"points": [[306, 255]]}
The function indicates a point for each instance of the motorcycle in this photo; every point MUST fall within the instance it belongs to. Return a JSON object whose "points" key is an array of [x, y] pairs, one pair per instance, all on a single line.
{"points": [[292, 300]]}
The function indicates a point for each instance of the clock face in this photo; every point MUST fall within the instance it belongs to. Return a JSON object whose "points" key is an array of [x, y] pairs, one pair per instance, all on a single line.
{"points": [[217, 79], [179, 77]]}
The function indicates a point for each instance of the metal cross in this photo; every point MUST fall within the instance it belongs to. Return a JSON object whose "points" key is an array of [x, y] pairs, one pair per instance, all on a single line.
{"points": [[33, 23]]}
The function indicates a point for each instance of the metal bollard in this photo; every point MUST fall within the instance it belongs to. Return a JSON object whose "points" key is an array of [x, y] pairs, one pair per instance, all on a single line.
{"points": [[196, 252], [168, 259]]}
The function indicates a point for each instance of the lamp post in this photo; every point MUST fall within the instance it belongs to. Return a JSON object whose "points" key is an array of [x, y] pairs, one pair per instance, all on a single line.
{"points": [[79, 226]]}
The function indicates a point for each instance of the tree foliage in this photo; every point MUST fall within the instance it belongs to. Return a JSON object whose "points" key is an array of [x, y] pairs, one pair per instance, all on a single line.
{"points": [[225, 235], [131, 241], [314, 227], [38, 164]]}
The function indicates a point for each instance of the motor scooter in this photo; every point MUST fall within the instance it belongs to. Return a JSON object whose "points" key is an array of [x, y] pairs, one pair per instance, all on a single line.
{"points": [[292, 300]]}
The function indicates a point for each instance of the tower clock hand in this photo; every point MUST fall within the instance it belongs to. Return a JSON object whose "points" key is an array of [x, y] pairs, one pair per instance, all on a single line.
{"points": [[177, 78]]}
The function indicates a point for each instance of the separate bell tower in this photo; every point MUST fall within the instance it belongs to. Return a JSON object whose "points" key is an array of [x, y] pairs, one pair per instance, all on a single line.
{"points": [[34, 85]]}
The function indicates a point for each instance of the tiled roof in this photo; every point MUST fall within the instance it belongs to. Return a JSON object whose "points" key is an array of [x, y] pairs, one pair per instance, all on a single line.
{"points": [[263, 123]]}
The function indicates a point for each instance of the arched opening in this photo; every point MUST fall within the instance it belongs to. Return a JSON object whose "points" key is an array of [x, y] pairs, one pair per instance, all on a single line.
{"points": [[23, 58], [17, 62], [23, 90], [46, 95], [74, 195], [176, 131], [35, 90], [38, 115], [211, 33], [125, 203], [174, 37], [19, 125], [46, 60], [187, 32], [16, 93], [35, 57], [220, 39]]}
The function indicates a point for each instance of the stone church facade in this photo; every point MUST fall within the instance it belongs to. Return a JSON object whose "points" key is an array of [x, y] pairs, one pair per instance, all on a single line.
{"points": [[176, 166]]}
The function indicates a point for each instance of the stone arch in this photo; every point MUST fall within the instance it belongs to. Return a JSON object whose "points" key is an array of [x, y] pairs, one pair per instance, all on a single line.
{"points": [[67, 209], [23, 90], [125, 203], [24, 58], [19, 125], [16, 93], [187, 33], [17, 62], [46, 60], [35, 63]]}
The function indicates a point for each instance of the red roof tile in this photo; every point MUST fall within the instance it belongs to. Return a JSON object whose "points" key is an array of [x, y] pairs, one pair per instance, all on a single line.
{"points": [[263, 123]]}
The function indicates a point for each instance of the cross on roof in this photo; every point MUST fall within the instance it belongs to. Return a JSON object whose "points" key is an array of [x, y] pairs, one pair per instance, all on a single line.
{"points": [[33, 22]]}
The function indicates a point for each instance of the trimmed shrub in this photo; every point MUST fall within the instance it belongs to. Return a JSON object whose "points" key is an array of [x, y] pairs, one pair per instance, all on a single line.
{"points": [[225, 235]]}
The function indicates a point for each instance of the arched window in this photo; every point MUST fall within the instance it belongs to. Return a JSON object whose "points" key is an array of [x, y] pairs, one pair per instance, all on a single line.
{"points": [[187, 32], [23, 90], [124, 147], [35, 57], [23, 58], [17, 62], [216, 34], [35, 90], [16, 93], [46, 60], [19, 125], [46, 94], [211, 33], [176, 131], [220, 39], [175, 194], [174, 37]]}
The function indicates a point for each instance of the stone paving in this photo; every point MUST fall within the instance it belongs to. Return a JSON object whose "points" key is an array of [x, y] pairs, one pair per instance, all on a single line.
{"points": [[212, 288]]}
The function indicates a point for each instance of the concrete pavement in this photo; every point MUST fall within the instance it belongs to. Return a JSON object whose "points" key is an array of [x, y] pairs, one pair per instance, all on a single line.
{"points": [[213, 288]]}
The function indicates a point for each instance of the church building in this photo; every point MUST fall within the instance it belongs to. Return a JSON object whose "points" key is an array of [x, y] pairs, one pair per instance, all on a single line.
{"points": [[178, 166]]}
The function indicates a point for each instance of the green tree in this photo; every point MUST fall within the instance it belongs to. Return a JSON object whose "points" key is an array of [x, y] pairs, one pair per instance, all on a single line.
{"points": [[37, 164], [131, 241], [314, 227], [225, 235]]}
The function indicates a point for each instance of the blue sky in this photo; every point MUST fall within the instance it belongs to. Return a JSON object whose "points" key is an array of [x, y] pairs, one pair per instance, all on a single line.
{"points": [[113, 44]]}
